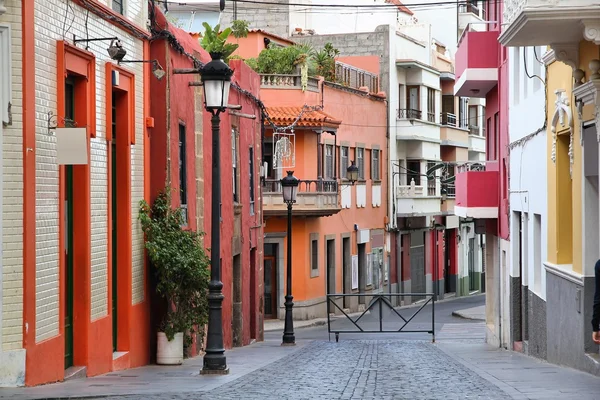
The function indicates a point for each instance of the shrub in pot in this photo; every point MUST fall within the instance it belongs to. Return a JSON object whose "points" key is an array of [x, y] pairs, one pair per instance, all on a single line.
{"points": [[182, 273]]}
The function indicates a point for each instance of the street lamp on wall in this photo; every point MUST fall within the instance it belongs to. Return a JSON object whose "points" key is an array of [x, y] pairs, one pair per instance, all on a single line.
{"points": [[216, 79], [352, 173], [289, 186]]}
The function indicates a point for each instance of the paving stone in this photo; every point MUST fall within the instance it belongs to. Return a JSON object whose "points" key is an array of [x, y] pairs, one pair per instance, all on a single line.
{"points": [[355, 369]]}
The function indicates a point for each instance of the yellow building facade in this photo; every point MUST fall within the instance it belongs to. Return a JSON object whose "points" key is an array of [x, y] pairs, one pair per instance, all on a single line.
{"points": [[573, 90]]}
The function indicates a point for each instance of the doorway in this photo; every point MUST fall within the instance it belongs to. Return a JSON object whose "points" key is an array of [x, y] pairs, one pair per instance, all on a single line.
{"points": [[237, 302], [346, 268], [362, 263], [68, 215], [114, 219], [447, 254], [330, 268], [417, 264], [253, 315], [270, 279], [471, 262]]}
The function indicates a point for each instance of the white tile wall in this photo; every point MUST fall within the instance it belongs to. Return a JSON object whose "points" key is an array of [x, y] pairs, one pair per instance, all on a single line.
{"points": [[50, 17], [12, 196]]}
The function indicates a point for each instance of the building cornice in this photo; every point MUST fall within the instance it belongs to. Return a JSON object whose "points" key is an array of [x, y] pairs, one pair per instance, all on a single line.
{"points": [[564, 271], [549, 57]]}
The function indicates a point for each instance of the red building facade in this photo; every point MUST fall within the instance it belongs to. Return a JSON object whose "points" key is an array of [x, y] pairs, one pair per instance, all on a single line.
{"points": [[181, 141]]}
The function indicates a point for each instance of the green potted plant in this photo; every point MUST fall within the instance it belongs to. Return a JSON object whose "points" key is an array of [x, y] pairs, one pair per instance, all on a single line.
{"points": [[182, 273], [215, 43]]}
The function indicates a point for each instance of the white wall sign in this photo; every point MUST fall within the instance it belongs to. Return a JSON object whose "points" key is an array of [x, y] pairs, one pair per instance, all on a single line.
{"points": [[71, 146]]}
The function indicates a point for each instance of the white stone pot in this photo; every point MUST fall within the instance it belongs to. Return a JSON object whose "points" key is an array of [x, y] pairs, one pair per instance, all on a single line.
{"points": [[169, 352]]}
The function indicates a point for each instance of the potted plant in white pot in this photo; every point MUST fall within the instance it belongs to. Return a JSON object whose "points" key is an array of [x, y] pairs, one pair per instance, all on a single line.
{"points": [[182, 273]]}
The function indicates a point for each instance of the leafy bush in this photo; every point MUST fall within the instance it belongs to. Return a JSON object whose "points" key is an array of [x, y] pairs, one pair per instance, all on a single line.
{"points": [[281, 60], [181, 266], [285, 60]]}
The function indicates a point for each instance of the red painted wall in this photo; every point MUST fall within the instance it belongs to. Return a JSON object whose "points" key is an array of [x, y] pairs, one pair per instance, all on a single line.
{"points": [[249, 136], [181, 106]]}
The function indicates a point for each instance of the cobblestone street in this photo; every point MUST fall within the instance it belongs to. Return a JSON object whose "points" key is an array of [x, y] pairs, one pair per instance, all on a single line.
{"points": [[358, 369], [361, 366]]}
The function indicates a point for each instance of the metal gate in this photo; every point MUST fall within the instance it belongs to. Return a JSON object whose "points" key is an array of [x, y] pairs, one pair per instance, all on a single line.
{"points": [[372, 320]]}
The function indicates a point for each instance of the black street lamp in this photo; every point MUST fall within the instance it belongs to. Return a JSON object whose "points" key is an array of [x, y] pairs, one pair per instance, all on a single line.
{"points": [[216, 80], [289, 185], [352, 173]]}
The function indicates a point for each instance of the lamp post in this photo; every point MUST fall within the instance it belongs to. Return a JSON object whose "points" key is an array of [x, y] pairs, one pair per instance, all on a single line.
{"points": [[289, 185], [216, 80], [352, 173]]}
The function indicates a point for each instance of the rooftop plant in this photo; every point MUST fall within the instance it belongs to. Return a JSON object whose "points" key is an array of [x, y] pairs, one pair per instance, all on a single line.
{"points": [[214, 41]]}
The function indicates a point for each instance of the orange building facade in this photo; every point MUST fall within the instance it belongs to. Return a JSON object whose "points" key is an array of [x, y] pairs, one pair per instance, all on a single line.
{"points": [[338, 229]]}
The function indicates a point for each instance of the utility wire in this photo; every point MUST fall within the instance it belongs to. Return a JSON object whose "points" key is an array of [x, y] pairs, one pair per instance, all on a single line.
{"points": [[389, 6]]}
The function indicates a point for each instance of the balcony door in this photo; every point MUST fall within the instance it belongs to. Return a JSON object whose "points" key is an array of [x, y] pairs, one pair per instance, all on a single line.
{"points": [[412, 96]]}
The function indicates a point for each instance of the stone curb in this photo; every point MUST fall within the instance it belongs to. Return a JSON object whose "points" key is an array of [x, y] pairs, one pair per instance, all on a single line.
{"points": [[464, 315]]}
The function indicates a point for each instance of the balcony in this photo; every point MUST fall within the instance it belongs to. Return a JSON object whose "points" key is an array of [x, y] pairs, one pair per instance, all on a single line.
{"points": [[414, 201], [415, 124], [476, 62], [542, 22], [476, 191], [280, 81], [316, 198], [451, 134], [469, 13], [477, 143], [356, 78]]}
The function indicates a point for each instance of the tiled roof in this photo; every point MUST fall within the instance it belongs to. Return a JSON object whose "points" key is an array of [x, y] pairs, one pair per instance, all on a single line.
{"points": [[401, 6], [267, 33], [284, 116]]}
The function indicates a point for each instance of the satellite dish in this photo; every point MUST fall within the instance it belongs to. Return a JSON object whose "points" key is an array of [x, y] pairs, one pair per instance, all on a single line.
{"points": [[222, 5]]}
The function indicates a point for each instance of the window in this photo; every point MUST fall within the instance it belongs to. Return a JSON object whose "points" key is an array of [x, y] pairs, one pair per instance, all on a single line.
{"points": [[183, 174], [517, 60], [496, 134], [431, 183], [251, 173], [413, 102], [375, 171], [360, 162], [448, 116], [314, 254], [413, 172], [234, 164], [329, 168], [430, 105], [473, 121], [117, 5], [344, 163]]}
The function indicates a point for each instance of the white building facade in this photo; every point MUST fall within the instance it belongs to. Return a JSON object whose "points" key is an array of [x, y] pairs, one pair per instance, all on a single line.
{"points": [[524, 286]]}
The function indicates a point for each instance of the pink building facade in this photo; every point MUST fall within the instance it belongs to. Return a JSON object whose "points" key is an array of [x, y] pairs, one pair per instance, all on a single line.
{"points": [[482, 188]]}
